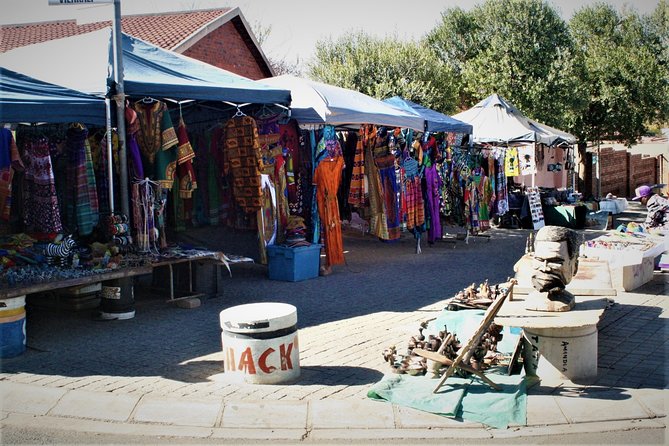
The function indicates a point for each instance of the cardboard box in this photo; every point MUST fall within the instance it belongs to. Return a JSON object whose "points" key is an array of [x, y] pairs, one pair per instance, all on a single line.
{"points": [[293, 264]]}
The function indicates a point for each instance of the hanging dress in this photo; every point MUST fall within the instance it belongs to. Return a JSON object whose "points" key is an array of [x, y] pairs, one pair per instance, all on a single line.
{"points": [[243, 161], [413, 196], [157, 141], [184, 182], [42, 214], [432, 187], [389, 194], [327, 178]]}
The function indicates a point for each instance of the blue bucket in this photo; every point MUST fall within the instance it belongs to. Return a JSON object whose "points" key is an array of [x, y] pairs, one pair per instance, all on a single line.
{"points": [[12, 327]]}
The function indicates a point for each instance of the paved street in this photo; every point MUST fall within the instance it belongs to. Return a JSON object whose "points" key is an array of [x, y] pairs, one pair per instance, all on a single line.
{"points": [[164, 367]]}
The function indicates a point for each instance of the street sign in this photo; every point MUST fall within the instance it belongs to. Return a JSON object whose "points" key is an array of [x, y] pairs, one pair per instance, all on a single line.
{"points": [[79, 2]]}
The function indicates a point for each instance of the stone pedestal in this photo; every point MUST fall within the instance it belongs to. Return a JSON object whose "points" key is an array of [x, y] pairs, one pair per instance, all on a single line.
{"points": [[558, 345], [564, 352]]}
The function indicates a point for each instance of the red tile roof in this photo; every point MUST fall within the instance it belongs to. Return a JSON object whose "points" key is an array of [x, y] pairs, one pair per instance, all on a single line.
{"points": [[166, 30]]}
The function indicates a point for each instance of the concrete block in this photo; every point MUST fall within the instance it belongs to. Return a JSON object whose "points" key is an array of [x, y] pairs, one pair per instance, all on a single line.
{"points": [[95, 405], [24, 398], [189, 303]]}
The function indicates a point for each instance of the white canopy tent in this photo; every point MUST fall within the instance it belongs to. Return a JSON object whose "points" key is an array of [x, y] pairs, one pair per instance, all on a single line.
{"points": [[318, 103], [496, 121]]}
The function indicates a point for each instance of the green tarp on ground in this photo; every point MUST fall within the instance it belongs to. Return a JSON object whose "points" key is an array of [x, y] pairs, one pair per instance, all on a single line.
{"points": [[466, 398]]}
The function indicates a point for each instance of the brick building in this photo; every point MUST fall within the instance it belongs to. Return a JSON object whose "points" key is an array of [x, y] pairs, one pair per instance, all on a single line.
{"points": [[219, 37]]}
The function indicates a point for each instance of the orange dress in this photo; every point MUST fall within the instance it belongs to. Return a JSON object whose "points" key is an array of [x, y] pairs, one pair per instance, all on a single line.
{"points": [[327, 179]]}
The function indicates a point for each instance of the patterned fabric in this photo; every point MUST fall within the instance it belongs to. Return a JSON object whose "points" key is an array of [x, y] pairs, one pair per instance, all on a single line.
{"points": [[42, 214], [433, 184], [275, 167], [184, 182], [243, 161], [357, 195], [290, 141], [378, 224], [157, 141], [82, 210], [9, 162], [502, 199], [389, 189], [414, 203], [135, 165], [327, 179]]}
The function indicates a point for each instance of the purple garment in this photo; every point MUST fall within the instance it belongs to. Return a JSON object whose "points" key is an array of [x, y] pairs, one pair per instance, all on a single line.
{"points": [[433, 184], [134, 159]]}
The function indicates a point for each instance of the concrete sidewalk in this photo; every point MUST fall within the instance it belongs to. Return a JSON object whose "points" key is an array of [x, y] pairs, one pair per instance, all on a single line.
{"points": [[160, 373]]}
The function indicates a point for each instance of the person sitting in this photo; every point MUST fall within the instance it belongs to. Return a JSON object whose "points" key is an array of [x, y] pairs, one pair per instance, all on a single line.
{"points": [[657, 205]]}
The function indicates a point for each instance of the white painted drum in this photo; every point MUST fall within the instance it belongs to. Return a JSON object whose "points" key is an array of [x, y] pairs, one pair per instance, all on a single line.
{"points": [[260, 343], [558, 353]]}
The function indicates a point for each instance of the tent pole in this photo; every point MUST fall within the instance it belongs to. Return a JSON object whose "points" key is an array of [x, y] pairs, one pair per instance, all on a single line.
{"points": [[110, 159], [534, 172], [120, 107]]}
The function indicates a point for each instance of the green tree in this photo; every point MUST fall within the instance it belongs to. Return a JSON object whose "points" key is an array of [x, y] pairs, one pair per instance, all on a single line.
{"points": [[520, 49], [626, 71], [385, 67]]}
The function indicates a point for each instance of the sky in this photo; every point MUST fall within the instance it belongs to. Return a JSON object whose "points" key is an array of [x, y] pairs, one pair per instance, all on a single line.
{"points": [[296, 25]]}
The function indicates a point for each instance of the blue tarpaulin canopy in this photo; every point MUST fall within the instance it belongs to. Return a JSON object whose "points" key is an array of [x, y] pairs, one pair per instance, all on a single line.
{"points": [[24, 99], [434, 120], [83, 62]]}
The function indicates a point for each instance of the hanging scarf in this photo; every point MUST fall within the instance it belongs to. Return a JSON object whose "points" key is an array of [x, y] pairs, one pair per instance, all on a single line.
{"points": [[357, 195], [82, 199]]}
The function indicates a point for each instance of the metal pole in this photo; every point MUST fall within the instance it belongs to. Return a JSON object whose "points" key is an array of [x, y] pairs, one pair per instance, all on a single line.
{"points": [[110, 157], [120, 106], [598, 166]]}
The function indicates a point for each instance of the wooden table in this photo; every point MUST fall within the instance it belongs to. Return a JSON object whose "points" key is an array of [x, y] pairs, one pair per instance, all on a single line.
{"points": [[22, 290]]}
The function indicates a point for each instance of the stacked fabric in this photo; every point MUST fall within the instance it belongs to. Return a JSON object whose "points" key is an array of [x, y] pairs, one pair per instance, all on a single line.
{"points": [[296, 232]]}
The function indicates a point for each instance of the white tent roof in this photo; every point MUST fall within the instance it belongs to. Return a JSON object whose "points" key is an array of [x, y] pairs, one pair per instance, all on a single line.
{"points": [[318, 103], [497, 121]]}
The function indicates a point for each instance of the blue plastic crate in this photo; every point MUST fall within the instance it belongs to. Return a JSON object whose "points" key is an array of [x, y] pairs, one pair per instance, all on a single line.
{"points": [[293, 264]]}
